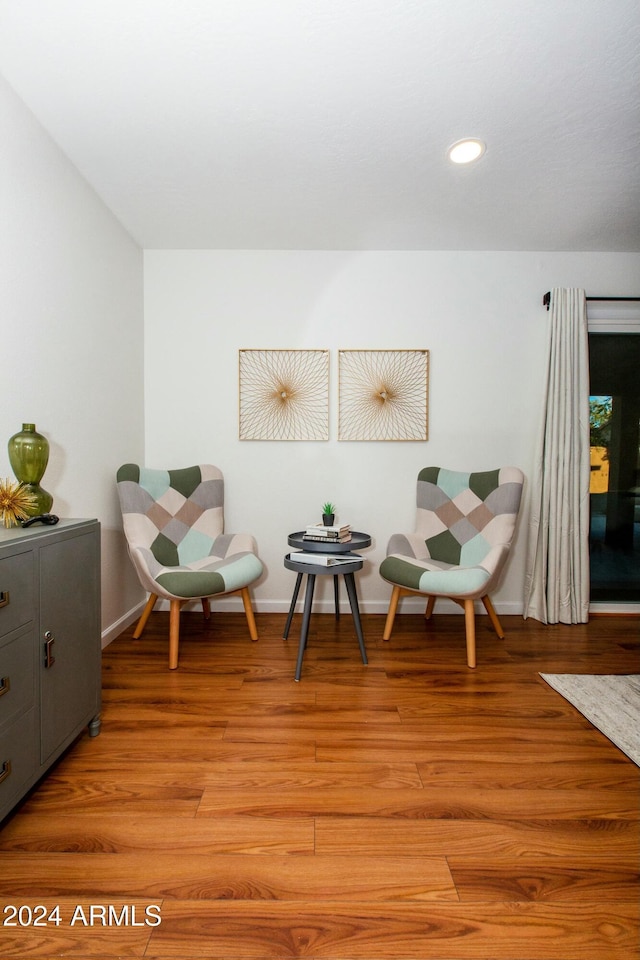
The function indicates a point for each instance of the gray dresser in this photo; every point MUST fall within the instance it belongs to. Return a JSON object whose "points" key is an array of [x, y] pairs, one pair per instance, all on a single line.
{"points": [[50, 652]]}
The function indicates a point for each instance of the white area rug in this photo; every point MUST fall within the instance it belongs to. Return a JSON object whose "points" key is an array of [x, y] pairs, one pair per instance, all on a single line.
{"points": [[611, 703]]}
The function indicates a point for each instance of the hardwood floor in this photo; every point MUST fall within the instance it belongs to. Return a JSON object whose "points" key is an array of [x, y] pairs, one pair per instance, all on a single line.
{"points": [[411, 809]]}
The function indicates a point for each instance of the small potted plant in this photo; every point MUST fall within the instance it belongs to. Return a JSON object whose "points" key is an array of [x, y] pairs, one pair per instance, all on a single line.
{"points": [[328, 513]]}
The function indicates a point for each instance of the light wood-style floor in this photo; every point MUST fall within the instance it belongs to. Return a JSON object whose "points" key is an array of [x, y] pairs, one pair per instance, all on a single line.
{"points": [[407, 810]]}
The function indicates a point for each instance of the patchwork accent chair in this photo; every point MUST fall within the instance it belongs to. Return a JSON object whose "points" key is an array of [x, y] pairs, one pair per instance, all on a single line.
{"points": [[464, 527], [173, 521]]}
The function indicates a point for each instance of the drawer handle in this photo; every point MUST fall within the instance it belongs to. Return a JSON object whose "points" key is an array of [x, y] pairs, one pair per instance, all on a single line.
{"points": [[4, 598], [5, 770], [49, 658], [5, 685]]}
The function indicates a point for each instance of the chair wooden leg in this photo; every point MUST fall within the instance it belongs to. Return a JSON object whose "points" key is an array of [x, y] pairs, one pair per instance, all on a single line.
{"points": [[393, 606], [146, 613], [431, 602], [206, 607], [248, 609], [493, 616], [174, 633], [470, 625]]}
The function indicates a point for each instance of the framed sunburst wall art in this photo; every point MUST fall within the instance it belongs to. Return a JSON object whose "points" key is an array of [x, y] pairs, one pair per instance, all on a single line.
{"points": [[284, 394], [383, 394]]}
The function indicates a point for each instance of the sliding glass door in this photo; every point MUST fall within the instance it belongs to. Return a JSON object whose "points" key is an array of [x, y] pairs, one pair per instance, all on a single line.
{"points": [[615, 466]]}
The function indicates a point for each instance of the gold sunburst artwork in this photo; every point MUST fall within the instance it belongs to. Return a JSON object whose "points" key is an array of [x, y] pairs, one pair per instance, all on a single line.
{"points": [[383, 394], [284, 394]]}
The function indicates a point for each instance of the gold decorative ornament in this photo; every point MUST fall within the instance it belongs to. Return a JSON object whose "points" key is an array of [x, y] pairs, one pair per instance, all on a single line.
{"points": [[15, 502]]}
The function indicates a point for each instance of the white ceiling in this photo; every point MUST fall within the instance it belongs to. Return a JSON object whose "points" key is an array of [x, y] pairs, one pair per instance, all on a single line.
{"points": [[324, 123]]}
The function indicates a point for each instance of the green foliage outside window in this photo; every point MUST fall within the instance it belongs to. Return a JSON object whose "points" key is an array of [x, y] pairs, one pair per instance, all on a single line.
{"points": [[600, 409]]}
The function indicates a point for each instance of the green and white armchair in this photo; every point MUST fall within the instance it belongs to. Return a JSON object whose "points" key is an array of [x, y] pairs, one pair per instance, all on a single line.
{"points": [[174, 526], [465, 523]]}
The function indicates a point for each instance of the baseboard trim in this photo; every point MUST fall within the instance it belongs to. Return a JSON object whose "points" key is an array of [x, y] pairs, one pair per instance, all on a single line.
{"points": [[414, 606], [603, 609], [115, 629], [410, 605]]}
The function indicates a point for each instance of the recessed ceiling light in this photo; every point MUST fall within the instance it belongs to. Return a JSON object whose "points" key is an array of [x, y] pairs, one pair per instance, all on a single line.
{"points": [[465, 151]]}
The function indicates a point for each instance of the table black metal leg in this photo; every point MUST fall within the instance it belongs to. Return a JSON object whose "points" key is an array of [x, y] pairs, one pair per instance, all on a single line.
{"points": [[306, 616], [336, 595], [350, 583], [296, 591]]}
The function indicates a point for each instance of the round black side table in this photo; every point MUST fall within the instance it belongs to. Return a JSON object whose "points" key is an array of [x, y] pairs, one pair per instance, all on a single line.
{"points": [[348, 564]]}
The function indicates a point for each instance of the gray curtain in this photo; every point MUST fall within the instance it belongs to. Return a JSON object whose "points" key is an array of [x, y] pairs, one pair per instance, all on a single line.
{"points": [[557, 574]]}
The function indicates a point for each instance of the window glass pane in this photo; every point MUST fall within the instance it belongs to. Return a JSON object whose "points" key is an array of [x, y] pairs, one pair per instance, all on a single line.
{"points": [[615, 466]]}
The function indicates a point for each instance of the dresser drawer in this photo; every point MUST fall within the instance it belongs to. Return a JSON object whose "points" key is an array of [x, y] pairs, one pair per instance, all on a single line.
{"points": [[16, 592], [17, 675], [18, 760]]}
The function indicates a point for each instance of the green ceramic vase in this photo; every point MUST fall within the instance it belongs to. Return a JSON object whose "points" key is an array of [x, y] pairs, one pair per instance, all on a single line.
{"points": [[28, 456]]}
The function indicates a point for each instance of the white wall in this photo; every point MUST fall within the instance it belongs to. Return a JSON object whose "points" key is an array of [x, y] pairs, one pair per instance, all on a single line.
{"points": [[71, 344], [480, 315], [74, 362]]}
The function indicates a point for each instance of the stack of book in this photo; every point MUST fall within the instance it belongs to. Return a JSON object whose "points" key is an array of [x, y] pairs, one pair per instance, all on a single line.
{"points": [[323, 559], [317, 532]]}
